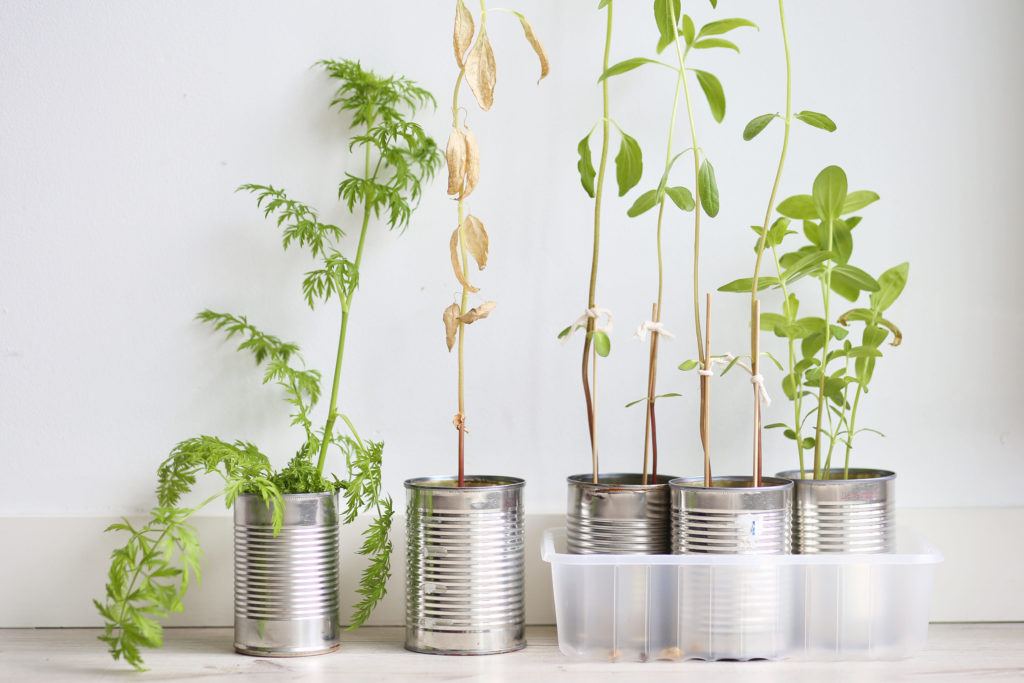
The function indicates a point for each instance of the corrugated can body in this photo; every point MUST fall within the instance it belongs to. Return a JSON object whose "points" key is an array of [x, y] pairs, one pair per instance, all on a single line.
{"points": [[464, 568], [732, 517], [837, 515], [733, 612], [286, 586], [619, 515]]}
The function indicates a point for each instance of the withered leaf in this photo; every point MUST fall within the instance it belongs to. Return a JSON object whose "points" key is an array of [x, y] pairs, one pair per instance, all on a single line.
{"points": [[474, 314], [463, 32], [451, 324], [537, 47], [464, 29], [453, 245], [476, 240], [460, 422], [455, 154], [481, 71], [472, 162]]}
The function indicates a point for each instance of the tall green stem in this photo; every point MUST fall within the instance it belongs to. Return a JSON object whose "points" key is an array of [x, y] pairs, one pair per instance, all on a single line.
{"points": [[849, 434], [598, 194], [346, 305], [755, 321], [822, 407], [797, 396]]}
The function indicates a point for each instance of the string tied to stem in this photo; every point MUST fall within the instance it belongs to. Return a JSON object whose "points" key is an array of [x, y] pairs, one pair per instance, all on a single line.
{"points": [[593, 313], [652, 327], [729, 359]]}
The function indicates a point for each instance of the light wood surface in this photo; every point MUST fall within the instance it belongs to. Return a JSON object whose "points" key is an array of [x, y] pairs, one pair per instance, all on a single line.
{"points": [[955, 652]]}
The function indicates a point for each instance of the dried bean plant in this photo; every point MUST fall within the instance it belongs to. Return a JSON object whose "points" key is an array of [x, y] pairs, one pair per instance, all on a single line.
{"points": [[475, 59]]}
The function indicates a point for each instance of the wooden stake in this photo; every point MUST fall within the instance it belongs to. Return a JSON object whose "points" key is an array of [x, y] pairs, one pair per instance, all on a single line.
{"points": [[755, 354], [652, 370], [705, 395]]}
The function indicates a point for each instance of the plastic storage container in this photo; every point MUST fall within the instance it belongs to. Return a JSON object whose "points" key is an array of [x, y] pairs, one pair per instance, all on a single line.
{"points": [[830, 607]]}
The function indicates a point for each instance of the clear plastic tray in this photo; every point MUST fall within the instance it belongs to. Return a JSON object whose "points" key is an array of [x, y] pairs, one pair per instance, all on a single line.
{"points": [[671, 607]]}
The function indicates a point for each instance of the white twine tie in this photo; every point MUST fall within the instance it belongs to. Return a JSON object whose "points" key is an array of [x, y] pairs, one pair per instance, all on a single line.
{"points": [[591, 313], [757, 380], [651, 326]]}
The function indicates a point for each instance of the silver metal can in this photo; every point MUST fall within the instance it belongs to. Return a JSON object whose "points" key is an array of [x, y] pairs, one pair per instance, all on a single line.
{"points": [[465, 563], [618, 515], [287, 586], [837, 515], [733, 611], [732, 516]]}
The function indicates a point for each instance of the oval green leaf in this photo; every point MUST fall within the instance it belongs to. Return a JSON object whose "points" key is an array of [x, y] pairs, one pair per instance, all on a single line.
{"points": [[856, 277], [586, 166], [645, 202], [756, 125], [630, 64], [890, 286], [829, 192], [707, 187], [816, 119], [799, 206], [681, 197], [855, 201], [712, 88], [602, 344], [629, 164], [708, 43], [717, 28], [663, 15]]}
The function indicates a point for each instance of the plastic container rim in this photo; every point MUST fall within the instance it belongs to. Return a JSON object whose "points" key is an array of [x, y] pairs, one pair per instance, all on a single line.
{"points": [[929, 555]]}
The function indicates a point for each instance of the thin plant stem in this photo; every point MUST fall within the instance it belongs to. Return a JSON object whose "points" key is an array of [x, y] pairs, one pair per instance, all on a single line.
{"points": [[826, 290], [705, 399], [589, 393], [849, 436], [755, 305], [460, 424], [797, 394], [346, 306]]}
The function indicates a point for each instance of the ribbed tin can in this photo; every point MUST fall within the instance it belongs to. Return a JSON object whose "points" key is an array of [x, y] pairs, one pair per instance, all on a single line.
{"points": [[733, 612], [732, 516], [837, 515], [464, 565], [286, 586], [618, 515]]}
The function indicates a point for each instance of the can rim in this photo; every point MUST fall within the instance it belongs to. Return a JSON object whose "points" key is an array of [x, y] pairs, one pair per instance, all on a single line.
{"points": [[607, 480], [478, 482], [697, 483], [316, 494], [873, 475]]}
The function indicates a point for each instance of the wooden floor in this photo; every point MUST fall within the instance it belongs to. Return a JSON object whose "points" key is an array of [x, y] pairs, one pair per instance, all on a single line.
{"points": [[955, 652]]}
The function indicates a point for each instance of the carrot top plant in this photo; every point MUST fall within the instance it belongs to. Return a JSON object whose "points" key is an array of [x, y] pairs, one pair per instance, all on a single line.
{"points": [[475, 59], [150, 574]]}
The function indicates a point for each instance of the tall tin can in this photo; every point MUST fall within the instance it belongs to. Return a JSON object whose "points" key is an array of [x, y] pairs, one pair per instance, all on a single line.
{"points": [[733, 611], [287, 586], [843, 515], [464, 565], [618, 515]]}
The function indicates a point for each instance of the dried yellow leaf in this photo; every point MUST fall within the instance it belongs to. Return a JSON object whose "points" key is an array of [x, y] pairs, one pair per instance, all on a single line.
{"points": [[451, 324], [453, 246], [474, 314], [460, 422], [481, 71], [464, 29], [455, 154], [537, 47], [472, 162], [476, 240]]}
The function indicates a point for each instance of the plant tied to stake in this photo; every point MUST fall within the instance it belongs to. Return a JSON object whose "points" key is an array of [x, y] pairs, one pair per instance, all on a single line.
{"points": [[475, 59], [151, 573], [819, 352]]}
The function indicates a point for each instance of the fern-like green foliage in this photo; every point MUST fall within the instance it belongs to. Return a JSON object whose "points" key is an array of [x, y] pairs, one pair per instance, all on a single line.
{"points": [[150, 574]]}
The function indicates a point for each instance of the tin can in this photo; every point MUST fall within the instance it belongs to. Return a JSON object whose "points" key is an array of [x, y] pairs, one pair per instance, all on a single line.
{"points": [[465, 560], [287, 586], [619, 515]]}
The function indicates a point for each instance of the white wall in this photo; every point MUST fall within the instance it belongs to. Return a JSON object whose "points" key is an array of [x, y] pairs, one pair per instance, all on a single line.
{"points": [[126, 126]]}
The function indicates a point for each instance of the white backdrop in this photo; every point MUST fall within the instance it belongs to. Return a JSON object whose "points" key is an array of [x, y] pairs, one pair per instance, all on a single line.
{"points": [[125, 126]]}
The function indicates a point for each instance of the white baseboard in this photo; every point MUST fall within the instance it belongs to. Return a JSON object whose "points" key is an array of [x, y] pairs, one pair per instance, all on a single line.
{"points": [[53, 567]]}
